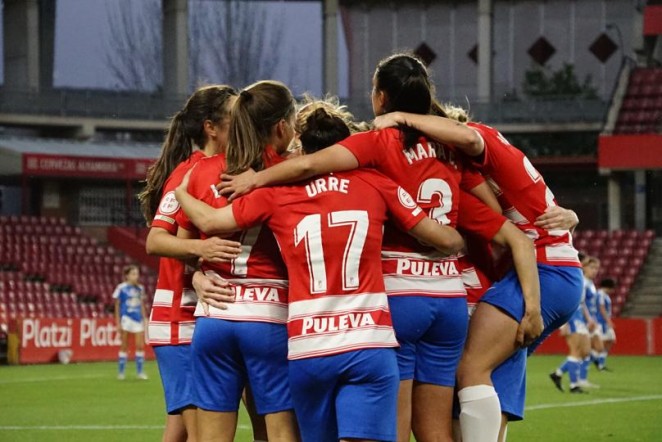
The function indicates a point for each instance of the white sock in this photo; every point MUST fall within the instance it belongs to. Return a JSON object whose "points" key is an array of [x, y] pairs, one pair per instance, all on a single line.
{"points": [[480, 416]]}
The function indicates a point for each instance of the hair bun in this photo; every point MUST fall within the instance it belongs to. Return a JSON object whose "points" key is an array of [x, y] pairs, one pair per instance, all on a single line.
{"points": [[320, 119]]}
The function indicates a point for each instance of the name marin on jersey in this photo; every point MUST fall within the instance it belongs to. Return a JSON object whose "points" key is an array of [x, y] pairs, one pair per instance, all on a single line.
{"points": [[429, 150], [323, 324]]}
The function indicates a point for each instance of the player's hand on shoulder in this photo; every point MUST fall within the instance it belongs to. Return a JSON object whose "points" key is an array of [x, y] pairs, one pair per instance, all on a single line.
{"points": [[234, 186], [215, 249], [391, 119], [557, 218]]}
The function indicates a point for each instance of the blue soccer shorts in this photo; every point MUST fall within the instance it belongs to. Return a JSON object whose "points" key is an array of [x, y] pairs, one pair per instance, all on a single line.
{"points": [[509, 380], [174, 363], [345, 396], [431, 332], [560, 293], [229, 354]]}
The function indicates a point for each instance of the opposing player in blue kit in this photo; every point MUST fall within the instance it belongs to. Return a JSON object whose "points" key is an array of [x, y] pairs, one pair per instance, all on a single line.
{"points": [[130, 317]]}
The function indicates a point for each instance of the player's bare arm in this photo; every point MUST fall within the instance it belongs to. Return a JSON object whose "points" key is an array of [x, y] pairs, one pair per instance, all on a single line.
{"points": [[524, 260], [440, 129], [213, 249], [557, 218], [214, 291], [444, 238], [206, 218], [331, 159]]}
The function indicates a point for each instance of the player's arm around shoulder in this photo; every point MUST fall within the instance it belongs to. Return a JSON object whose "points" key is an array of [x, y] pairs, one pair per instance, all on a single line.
{"points": [[444, 130], [524, 260], [444, 238]]}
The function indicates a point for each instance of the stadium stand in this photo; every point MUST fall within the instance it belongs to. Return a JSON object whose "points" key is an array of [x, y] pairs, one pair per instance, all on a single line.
{"points": [[622, 255], [645, 300], [51, 269], [641, 109]]}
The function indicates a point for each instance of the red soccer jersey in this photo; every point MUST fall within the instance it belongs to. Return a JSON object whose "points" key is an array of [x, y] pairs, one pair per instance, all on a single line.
{"points": [[523, 196], [432, 173], [330, 232], [258, 274], [171, 320]]}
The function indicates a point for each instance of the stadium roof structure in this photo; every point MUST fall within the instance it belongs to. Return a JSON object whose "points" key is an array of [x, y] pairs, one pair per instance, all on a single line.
{"points": [[75, 159]]}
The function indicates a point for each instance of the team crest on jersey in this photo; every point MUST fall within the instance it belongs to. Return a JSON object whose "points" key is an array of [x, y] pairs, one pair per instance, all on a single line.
{"points": [[405, 199], [169, 204]]}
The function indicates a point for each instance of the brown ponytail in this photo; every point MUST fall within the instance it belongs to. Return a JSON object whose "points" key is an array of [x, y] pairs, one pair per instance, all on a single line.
{"points": [[186, 129], [255, 112]]}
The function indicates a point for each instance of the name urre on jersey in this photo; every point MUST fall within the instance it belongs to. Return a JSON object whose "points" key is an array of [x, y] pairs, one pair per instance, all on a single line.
{"points": [[327, 184]]}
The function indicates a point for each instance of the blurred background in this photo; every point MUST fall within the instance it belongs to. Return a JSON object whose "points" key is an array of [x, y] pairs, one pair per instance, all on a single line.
{"points": [[87, 88]]}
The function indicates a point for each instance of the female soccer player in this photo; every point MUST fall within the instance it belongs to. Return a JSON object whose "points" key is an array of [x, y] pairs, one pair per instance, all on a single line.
{"points": [[129, 316], [343, 371], [245, 341], [605, 290], [524, 197], [577, 336], [203, 124], [426, 293], [591, 268]]}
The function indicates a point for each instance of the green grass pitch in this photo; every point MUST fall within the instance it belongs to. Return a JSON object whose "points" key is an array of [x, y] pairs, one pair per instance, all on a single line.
{"points": [[84, 402]]}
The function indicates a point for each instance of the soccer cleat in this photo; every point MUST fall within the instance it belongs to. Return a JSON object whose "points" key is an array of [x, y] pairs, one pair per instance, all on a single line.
{"points": [[120, 376], [578, 390], [605, 368], [142, 376], [557, 380]]}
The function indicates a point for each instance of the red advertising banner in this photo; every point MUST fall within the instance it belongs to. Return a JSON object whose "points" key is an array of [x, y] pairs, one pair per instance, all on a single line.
{"points": [[633, 337], [39, 340], [85, 167], [627, 152]]}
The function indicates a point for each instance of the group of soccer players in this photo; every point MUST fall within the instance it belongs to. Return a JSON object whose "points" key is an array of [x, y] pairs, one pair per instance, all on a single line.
{"points": [[337, 302], [589, 333]]}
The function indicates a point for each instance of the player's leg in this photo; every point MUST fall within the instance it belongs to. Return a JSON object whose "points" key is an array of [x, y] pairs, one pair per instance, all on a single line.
{"points": [[491, 340], [215, 426], [597, 347], [122, 355], [437, 356], [580, 351], [405, 392], [509, 380], [257, 422], [411, 317], [432, 412], [139, 338], [175, 429], [174, 362], [220, 376], [264, 350]]}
